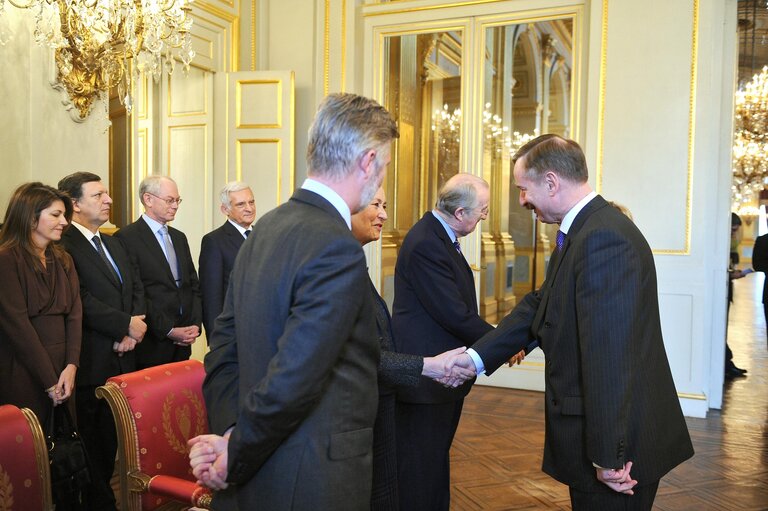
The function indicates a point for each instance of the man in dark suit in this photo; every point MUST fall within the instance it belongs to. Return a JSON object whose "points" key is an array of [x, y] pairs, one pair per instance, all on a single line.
{"points": [[610, 402], [113, 323], [291, 376], [171, 287], [759, 263], [435, 310], [220, 246]]}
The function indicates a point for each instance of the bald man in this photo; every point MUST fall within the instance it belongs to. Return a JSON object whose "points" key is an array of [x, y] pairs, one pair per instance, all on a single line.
{"points": [[435, 310]]}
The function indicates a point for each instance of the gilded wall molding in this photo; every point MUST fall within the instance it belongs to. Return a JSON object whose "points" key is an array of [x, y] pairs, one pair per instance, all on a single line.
{"points": [[686, 250]]}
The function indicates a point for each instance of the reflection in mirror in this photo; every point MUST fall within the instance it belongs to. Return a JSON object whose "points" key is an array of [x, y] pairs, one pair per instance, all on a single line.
{"points": [[526, 92], [422, 90]]}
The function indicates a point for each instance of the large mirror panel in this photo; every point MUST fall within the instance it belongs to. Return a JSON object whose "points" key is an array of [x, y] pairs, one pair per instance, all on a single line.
{"points": [[526, 92]]}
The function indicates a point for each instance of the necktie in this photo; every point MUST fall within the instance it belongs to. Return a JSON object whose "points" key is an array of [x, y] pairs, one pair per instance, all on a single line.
{"points": [[170, 254], [560, 240], [457, 246], [247, 232], [100, 249]]}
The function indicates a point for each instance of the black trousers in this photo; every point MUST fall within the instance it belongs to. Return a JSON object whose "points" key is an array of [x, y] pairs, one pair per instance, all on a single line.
{"points": [[97, 429], [642, 500], [424, 436]]}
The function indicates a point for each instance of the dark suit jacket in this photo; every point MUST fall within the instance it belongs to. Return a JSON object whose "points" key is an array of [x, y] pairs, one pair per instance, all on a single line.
{"points": [[217, 257], [107, 306], [610, 397], [167, 305], [293, 364], [435, 307], [760, 261]]}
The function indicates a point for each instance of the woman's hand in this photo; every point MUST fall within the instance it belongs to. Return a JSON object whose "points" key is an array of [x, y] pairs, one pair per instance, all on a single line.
{"points": [[66, 384]]}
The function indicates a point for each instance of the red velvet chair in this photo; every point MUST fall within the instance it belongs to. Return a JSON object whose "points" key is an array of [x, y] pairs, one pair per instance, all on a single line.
{"points": [[156, 411], [24, 472]]}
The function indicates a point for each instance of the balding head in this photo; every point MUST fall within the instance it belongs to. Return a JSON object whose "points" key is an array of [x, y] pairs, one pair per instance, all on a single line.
{"points": [[462, 202]]}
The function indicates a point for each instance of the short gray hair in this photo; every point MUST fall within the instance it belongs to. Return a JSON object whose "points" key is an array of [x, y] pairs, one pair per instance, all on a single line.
{"points": [[232, 186], [460, 191], [151, 184], [345, 127]]}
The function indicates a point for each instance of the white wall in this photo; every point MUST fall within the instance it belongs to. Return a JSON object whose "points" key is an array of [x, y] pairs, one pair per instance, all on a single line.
{"points": [[38, 138]]}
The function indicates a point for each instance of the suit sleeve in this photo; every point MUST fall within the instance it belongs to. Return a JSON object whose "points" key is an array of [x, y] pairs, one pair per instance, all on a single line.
{"points": [[74, 323], [319, 324], [760, 254], [433, 280], [211, 281], [512, 335], [220, 388], [194, 284], [16, 327], [400, 369], [608, 300]]}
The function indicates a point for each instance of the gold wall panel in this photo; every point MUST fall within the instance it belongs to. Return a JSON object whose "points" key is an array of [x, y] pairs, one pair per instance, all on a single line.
{"points": [[184, 100], [258, 103], [257, 161], [188, 165], [202, 46]]}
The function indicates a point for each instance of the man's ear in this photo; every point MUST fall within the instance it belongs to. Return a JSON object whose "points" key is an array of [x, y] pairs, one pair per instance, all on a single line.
{"points": [[75, 207], [224, 209], [552, 181], [368, 162]]}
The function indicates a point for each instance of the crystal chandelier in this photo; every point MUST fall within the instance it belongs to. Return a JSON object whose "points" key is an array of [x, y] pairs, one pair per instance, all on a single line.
{"points": [[100, 44], [750, 142]]}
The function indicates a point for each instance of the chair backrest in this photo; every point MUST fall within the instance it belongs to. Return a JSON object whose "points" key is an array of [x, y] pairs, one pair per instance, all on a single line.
{"points": [[156, 411], [24, 472]]}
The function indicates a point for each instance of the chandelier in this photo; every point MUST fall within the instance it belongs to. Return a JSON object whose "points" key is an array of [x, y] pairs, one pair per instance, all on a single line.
{"points": [[750, 143], [100, 44]]}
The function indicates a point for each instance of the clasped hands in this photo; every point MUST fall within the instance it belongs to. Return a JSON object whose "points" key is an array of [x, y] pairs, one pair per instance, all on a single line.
{"points": [[136, 330], [208, 459], [618, 480], [453, 368]]}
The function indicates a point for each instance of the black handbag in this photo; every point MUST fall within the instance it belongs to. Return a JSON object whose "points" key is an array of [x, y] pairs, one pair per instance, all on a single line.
{"points": [[67, 456]]}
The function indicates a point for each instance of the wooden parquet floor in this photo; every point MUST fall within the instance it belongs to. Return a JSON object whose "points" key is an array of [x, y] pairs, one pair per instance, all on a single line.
{"points": [[496, 456]]}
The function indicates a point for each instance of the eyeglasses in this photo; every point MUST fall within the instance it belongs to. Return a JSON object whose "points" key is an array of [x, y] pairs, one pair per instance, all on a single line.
{"points": [[170, 201]]}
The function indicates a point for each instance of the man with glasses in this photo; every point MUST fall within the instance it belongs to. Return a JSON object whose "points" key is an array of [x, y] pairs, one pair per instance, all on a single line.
{"points": [[171, 287], [435, 310], [220, 246]]}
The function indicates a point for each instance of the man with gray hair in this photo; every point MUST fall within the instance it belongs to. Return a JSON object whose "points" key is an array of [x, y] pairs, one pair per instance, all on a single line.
{"points": [[171, 287], [220, 246], [435, 310], [291, 378]]}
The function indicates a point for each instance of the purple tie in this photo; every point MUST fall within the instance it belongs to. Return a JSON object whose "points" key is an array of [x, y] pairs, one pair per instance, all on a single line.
{"points": [[560, 240], [457, 245]]}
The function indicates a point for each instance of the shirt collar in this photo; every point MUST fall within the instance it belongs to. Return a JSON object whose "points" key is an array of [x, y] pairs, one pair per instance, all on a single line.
{"points": [[86, 231], [569, 217], [331, 196], [447, 227], [154, 225], [239, 227]]}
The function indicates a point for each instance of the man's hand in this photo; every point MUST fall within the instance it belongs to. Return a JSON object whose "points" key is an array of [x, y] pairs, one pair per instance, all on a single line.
{"points": [[184, 335], [618, 480], [124, 346], [462, 369], [208, 459], [440, 366], [517, 358], [137, 327]]}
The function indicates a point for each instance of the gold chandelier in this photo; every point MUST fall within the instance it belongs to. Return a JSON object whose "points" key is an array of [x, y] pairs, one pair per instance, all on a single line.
{"points": [[100, 44], [750, 142]]}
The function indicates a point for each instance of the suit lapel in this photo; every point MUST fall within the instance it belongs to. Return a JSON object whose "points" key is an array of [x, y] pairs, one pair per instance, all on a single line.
{"points": [[458, 258], [88, 251], [150, 240]]}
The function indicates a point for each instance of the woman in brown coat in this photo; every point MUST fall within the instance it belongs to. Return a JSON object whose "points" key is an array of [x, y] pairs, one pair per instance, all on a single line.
{"points": [[40, 310]]}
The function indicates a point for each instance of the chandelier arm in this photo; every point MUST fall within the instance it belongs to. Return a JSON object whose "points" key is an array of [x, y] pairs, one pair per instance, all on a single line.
{"points": [[22, 5]]}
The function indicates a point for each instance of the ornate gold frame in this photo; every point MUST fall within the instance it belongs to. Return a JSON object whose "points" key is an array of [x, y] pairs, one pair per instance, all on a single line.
{"points": [[41, 456]]}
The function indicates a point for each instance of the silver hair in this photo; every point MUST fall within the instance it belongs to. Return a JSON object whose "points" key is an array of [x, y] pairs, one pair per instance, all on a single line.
{"points": [[151, 184], [459, 192], [231, 187], [345, 127]]}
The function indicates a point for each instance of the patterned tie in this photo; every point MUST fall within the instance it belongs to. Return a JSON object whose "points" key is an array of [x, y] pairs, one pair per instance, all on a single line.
{"points": [[457, 246], [170, 254], [560, 240], [247, 232], [100, 249]]}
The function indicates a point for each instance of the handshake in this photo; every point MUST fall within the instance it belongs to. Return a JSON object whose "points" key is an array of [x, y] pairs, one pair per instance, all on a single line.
{"points": [[451, 368]]}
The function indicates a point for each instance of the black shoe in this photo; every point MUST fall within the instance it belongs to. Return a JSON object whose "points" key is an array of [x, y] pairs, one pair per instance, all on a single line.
{"points": [[735, 372]]}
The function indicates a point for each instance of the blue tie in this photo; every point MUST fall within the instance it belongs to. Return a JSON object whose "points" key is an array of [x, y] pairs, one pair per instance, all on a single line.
{"points": [[457, 246], [560, 240]]}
